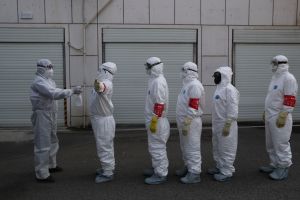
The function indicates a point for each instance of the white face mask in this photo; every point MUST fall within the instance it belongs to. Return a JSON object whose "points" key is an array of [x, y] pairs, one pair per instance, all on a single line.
{"points": [[183, 75], [274, 68], [49, 73], [148, 71]]}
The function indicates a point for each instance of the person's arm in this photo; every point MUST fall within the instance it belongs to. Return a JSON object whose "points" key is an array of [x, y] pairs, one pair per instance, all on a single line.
{"points": [[232, 96], [159, 98], [290, 89], [51, 92]]}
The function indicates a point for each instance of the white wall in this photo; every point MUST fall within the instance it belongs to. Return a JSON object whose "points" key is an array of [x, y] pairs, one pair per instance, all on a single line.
{"points": [[213, 19]]}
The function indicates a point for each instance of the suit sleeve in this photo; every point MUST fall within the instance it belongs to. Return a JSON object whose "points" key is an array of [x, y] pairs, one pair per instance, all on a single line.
{"points": [[51, 92], [232, 103], [290, 90]]}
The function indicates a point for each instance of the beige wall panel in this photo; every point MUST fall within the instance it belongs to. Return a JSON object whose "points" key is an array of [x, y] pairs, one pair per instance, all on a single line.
{"points": [[209, 66], [8, 11], [213, 12], [36, 7], [162, 12], [136, 11], [187, 12], [58, 11], [76, 70], [214, 40], [90, 9], [237, 12], [285, 12], [298, 13], [113, 13], [76, 39], [261, 12]]}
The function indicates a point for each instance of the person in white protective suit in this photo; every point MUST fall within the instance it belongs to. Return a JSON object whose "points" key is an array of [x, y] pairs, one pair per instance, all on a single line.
{"points": [[190, 104], [157, 124], [279, 104], [103, 122], [44, 94], [224, 124]]}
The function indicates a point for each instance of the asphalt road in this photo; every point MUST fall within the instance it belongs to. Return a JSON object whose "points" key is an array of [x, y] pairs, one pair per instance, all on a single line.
{"points": [[77, 156]]}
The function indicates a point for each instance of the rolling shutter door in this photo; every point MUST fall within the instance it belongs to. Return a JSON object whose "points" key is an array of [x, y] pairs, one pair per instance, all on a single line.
{"points": [[19, 51], [253, 68], [129, 49]]}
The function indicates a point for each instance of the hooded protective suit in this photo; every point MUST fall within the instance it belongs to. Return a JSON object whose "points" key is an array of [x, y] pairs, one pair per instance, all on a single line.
{"points": [[190, 104], [225, 114], [103, 122], [156, 109], [280, 100], [44, 106]]}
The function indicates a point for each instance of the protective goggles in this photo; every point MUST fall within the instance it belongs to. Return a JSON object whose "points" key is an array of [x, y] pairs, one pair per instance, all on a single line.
{"points": [[47, 67], [278, 62], [185, 69], [149, 66], [107, 70]]}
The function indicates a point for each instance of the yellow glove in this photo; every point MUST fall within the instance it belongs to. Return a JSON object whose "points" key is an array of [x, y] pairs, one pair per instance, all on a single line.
{"points": [[264, 116], [226, 128], [186, 126], [281, 119], [153, 124]]}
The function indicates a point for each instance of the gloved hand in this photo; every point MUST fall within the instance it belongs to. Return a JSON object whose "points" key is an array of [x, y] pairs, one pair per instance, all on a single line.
{"points": [[281, 119], [226, 128], [153, 124], [264, 116], [77, 90], [186, 126], [99, 86]]}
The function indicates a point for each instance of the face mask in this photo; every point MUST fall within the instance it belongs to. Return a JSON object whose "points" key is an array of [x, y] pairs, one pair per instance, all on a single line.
{"points": [[217, 77], [49, 73], [148, 71], [274, 68]]}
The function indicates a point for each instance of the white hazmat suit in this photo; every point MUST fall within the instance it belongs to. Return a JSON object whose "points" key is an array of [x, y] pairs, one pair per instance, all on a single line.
{"points": [[190, 104], [279, 104], [157, 124], [44, 106], [103, 122], [224, 125]]}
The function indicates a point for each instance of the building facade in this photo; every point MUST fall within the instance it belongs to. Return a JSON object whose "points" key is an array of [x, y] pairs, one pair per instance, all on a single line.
{"points": [[78, 35]]}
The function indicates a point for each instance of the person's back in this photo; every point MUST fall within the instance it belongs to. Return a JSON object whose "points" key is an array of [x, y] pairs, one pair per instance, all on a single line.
{"points": [[102, 105], [279, 105], [103, 122], [189, 108], [157, 124]]}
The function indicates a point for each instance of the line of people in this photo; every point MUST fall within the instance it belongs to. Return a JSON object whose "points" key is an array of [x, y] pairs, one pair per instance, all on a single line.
{"points": [[280, 102]]}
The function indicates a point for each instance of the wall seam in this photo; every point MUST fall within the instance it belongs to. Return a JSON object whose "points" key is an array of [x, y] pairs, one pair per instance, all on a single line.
{"points": [[249, 10], [273, 13], [174, 11], [200, 15], [18, 21], [45, 11], [149, 4], [201, 54], [225, 12], [297, 10], [72, 12]]}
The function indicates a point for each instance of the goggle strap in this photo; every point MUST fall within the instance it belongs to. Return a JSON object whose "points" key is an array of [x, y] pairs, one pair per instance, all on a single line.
{"points": [[149, 66]]}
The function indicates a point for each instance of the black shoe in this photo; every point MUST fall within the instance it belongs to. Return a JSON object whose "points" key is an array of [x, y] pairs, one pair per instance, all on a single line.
{"points": [[56, 169], [49, 179]]}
